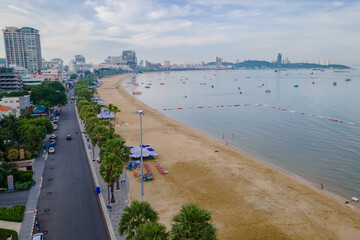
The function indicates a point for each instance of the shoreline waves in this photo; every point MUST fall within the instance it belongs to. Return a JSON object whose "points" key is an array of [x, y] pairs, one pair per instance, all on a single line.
{"points": [[247, 197]]}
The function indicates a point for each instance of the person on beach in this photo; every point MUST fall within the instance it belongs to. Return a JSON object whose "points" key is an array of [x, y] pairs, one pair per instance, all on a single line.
{"points": [[322, 186]]}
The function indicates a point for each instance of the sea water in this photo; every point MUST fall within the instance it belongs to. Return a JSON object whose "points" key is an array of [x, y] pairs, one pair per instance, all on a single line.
{"points": [[289, 127]]}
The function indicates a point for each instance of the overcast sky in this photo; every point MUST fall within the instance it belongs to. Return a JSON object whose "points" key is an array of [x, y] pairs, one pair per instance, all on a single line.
{"points": [[191, 30]]}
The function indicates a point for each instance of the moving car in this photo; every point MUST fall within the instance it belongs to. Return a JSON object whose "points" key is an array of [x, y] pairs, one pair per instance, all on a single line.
{"points": [[51, 150], [68, 137], [38, 236]]}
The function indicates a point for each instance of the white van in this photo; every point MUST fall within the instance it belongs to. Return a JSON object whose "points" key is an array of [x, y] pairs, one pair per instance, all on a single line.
{"points": [[38, 236]]}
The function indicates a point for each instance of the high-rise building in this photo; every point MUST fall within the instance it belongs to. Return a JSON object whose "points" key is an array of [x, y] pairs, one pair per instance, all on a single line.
{"points": [[218, 62], [79, 59], [167, 64], [279, 60], [22, 48], [130, 58], [2, 62]]}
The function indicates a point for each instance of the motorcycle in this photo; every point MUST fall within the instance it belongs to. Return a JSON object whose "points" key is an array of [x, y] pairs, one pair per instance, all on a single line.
{"points": [[37, 224]]}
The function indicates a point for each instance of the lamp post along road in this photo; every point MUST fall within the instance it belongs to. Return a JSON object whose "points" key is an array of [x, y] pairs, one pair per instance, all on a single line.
{"points": [[141, 112]]}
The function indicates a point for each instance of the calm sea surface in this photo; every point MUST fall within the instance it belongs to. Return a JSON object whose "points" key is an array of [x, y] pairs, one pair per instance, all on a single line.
{"points": [[313, 147]]}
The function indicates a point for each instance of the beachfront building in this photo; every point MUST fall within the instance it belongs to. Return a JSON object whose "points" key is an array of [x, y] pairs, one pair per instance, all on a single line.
{"points": [[22, 48], [115, 60], [218, 62], [19, 105], [129, 57], [10, 81], [79, 64], [279, 61]]}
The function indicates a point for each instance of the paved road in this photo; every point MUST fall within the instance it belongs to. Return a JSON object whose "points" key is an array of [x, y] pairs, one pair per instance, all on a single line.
{"points": [[68, 207], [14, 198]]}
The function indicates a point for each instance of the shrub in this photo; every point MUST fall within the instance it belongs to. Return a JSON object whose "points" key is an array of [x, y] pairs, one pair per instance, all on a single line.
{"points": [[14, 214], [23, 186], [5, 233], [25, 176]]}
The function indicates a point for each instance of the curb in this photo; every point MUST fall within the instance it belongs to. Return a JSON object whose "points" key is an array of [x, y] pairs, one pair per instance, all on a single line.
{"points": [[96, 182]]}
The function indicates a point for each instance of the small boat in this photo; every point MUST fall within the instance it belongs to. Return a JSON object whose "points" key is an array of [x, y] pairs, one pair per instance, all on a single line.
{"points": [[296, 85], [348, 79], [137, 93], [147, 87], [334, 83], [268, 91], [162, 83]]}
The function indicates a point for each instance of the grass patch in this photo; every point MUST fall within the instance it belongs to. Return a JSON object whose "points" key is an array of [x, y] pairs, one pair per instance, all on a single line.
{"points": [[14, 214], [5, 233]]}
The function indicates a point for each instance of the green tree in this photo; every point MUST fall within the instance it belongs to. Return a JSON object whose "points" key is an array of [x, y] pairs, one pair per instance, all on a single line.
{"points": [[100, 135], [134, 215], [32, 136], [114, 109], [42, 121], [10, 125], [193, 222], [13, 154], [151, 231], [55, 85], [73, 76], [118, 147], [110, 169]]}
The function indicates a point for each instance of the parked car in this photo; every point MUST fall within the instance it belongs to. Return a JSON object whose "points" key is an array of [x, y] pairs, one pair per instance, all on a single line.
{"points": [[51, 150], [38, 236], [52, 140], [68, 137], [53, 136]]}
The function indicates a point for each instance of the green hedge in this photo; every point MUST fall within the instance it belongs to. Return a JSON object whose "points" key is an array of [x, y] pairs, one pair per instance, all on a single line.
{"points": [[23, 186], [25, 176], [5, 233], [14, 214]]}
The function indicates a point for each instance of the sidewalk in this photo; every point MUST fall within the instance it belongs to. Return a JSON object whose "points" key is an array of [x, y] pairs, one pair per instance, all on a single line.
{"points": [[112, 216], [28, 220]]}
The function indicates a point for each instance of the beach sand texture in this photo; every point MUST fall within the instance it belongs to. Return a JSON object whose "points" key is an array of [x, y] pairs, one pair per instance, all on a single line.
{"points": [[248, 199]]}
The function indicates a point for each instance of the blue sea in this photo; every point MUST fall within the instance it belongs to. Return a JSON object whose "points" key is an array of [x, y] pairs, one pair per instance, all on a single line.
{"points": [[288, 127]]}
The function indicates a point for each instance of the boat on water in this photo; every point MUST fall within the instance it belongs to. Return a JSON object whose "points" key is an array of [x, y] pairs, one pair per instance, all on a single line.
{"points": [[334, 83], [348, 79], [147, 87], [137, 93], [268, 91]]}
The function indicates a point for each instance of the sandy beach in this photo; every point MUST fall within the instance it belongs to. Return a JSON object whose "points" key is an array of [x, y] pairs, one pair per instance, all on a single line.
{"points": [[248, 199]]}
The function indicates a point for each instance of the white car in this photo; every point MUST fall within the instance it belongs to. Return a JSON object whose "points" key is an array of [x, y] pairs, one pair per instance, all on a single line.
{"points": [[38, 236], [51, 150]]}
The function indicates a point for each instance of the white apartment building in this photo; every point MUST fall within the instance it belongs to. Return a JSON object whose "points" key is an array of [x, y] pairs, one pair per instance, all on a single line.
{"points": [[20, 105]]}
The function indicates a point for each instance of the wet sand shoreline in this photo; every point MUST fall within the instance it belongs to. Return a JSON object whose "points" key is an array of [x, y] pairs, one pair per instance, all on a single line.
{"points": [[247, 197]]}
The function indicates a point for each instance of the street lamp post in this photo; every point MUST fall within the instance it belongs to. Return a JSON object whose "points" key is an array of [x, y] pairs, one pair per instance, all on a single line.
{"points": [[141, 112]]}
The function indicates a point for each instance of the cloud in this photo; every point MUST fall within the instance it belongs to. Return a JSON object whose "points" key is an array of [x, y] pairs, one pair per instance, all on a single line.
{"points": [[232, 27]]}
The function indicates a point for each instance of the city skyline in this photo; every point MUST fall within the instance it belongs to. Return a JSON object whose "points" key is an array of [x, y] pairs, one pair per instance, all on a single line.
{"points": [[191, 31]]}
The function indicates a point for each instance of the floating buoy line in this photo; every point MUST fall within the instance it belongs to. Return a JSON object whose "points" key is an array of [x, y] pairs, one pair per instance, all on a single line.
{"points": [[267, 106]]}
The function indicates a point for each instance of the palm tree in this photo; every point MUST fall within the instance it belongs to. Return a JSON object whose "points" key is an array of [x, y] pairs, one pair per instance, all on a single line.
{"points": [[110, 170], [134, 215], [114, 109], [151, 231], [118, 147], [100, 134], [193, 222]]}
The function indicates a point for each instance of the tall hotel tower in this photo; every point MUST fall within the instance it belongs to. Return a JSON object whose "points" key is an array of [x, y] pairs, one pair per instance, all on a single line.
{"points": [[22, 47]]}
